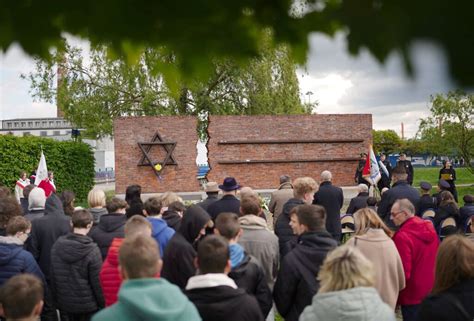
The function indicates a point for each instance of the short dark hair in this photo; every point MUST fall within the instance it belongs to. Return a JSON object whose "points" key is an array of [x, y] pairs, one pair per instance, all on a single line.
{"points": [[17, 224], [371, 201], [399, 170], [20, 294], [213, 254], [9, 208], [136, 225], [177, 206], [284, 179], [81, 218], [132, 193], [153, 206], [27, 190], [139, 256], [250, 205], [116, 204], [313, 216], [228, 225], [468, 198]]}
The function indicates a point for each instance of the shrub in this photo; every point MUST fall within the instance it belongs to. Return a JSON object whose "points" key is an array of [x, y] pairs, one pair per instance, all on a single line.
{"points": [[71, 162]]}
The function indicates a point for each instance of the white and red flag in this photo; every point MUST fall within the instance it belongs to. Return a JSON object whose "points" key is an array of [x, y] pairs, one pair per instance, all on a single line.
{"points": [[371, 171], [41, 179]]}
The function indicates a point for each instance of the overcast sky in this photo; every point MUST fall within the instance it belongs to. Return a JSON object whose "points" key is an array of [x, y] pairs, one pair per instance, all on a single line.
{"points": [[341, 83]]}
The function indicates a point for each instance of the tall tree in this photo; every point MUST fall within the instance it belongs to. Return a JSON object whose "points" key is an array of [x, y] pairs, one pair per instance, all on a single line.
{"points": [[450, 128], [386, 141], [94, 89]]}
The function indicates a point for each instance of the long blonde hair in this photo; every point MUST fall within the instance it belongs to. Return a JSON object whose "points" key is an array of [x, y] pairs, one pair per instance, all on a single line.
{"points": [[345, 268], [366, 218]]}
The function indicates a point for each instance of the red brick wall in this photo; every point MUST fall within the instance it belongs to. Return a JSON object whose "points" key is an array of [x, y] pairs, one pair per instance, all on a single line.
{"points": [[179, 178], [297, 127]]}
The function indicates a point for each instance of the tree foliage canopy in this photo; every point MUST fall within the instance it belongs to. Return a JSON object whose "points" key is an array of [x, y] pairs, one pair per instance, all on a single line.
{"points": [[386, 141], [450, 128], [93, 90], [196, 32]]}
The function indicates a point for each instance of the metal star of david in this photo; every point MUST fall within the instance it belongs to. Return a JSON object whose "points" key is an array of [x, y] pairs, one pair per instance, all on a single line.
{"points": [[146, 160]]}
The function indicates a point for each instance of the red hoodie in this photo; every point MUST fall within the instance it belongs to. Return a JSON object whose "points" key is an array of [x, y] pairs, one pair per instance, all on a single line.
{"points": [[417, 244], [110, 279]]}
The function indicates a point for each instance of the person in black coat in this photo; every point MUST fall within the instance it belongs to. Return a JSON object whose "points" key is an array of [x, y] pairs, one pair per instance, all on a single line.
{"points": [[46, 230], [246, 270], [229, 202], [358, 176], [174, 214], [468, 209], [449, 175], [447, 208], [406, 164], [453, 290], [385, 179], [214, 294], [303, 190], [178, 259], [75, 268], [400, 189], [427, 202], [134, 201], [297, 281], [331, 198], [360, 201], [110, 225]]}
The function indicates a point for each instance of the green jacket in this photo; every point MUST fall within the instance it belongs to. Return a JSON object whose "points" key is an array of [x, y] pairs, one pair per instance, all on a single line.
{"points": [[149, 299]]}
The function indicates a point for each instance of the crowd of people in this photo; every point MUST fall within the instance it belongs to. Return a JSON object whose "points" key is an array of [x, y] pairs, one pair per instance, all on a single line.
{"points": [[221, 259]]}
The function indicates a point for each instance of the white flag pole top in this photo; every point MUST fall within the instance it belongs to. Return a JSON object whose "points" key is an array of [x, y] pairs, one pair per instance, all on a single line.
{"points": [[42, 171]]}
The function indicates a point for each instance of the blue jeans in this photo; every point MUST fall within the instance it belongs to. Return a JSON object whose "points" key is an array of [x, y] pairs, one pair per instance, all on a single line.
{"points": [[409, 312]]}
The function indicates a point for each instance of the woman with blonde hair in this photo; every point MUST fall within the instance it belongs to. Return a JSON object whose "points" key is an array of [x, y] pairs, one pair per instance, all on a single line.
{"points": [[373, 238], [452, 297], [96, 200], [347, 279]]}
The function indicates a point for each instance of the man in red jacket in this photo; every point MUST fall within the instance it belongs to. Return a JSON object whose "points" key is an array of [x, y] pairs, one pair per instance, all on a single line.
{"points": [[417, 243]]}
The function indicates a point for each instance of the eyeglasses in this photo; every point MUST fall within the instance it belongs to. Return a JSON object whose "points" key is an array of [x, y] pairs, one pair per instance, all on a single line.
{"points": [[396, 213]]}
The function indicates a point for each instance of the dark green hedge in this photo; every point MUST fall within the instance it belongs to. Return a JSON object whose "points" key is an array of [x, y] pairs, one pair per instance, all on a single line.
{"points": [[71, 162]]}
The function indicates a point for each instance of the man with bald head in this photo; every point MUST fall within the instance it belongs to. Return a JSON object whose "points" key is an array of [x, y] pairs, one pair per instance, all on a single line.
{"points": [[331, 198], [417, 243]]}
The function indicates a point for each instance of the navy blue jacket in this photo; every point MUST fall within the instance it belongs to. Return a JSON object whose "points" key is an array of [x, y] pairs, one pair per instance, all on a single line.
{"points": [[283, 229], [331, 198], [161, 232], [15, 260], [399, 190], [228, 203]]}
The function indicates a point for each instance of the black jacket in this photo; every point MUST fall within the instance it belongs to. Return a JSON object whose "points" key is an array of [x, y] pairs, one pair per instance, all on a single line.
{"points": [[443, 212], [452, 304], [208, 201], [296, 283], [358, 202], [228, 203], [173, 219], [427, 202], [75, 267], [46, 230], [384, 179], [331, 198], [135, 208], [249, 275], [283, 229], [399, 190], [408, 168], [110, 226], [178, 260], [466, 211], [34, 214], [225, 303]]}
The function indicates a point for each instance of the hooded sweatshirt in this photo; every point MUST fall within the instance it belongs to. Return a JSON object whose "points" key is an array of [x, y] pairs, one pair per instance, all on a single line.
{"points": [[97, 213], [109, 227], [15, 260], [161, 232], [75, 267], [46, 230], [178, 259], [296, 282], [356, 304], [149, 300], [417, 244]]}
